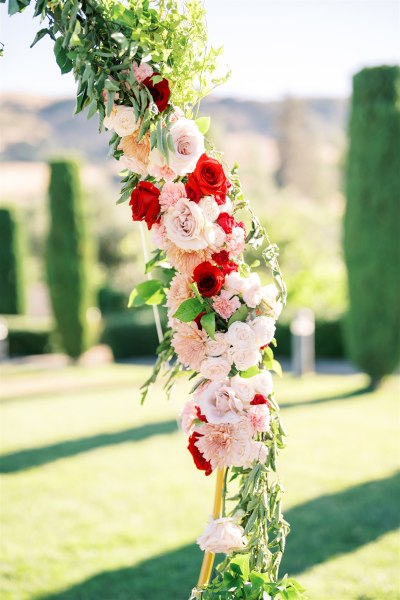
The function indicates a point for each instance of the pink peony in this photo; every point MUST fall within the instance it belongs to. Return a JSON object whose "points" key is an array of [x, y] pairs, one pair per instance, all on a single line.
{"points": [[171, 193], [188, 415], [235, 241], [179, 291], [225, 304], [189, 343], [142, 71], [259, 417], [228, 445], [186, 261]]}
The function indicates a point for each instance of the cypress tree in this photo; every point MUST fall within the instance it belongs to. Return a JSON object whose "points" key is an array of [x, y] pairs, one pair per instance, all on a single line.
{"points": [[12, 296], [372, 223], [67, 256]]}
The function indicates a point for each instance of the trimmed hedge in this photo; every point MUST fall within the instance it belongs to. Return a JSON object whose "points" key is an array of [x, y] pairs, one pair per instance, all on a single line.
{"points": [[372, 223], [12, 296], [67, 257], [28, 336]]}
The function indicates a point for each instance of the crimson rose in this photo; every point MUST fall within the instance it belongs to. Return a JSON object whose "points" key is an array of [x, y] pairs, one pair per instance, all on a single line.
{"points": [[201, 463], [144, 203], [209, 279], [260, 399], [222, 259], [160, 91], [226, 221], [208, 179]]}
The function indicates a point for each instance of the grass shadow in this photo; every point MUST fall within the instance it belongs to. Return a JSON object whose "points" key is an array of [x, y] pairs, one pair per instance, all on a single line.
{"points": [[35, 457], [358, 392], [322, 528], [340, 523]]}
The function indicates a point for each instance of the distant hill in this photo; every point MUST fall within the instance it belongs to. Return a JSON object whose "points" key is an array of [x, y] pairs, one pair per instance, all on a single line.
{"points": [[34, 129]]}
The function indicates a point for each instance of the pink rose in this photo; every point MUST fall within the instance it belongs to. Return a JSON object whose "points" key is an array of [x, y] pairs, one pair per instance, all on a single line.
{"points": [[142, 71], [225, 304], [171, 193]]}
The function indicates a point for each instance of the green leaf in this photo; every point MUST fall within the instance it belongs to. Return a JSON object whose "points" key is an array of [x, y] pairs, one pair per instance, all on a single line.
{"points": [[40, 34], [148, 292], [188, 310], [92, 110], [242, 561], [239, 315], [277, 368], [111, 85], [250, 372], [208, 324], [203, 124]]}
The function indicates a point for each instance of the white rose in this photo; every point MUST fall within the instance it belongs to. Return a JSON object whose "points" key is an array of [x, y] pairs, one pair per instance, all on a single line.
{"points": [[244, 358], [215, 368], [122, 120], [264, 330], [252, 292], [218, 346], [219, 404], [210, 208], [241, 335], [234, 282], [186, 226], [189, 146], [263, 383], [219, 236], [269, 304], [222, 535], [226, 207], [244, 388]]}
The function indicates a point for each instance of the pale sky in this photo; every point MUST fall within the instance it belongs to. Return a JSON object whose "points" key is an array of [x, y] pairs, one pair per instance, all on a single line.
{"points": [[274, 47]]}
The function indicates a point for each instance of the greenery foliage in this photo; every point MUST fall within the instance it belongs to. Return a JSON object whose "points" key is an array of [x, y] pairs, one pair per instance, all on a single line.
{"points": [[372, 224], [12, 297], [67, 257]]}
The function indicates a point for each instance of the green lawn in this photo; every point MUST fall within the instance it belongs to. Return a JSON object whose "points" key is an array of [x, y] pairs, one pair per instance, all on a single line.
{"points": [[100, 499]]}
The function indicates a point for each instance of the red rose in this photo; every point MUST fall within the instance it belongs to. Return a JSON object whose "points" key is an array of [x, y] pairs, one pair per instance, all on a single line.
{"points": [[229, 267], [226, 221], [208, 179], [160, 91], [221, 258], [201, 463], [144, 203], [260, 399], [209, 279]]}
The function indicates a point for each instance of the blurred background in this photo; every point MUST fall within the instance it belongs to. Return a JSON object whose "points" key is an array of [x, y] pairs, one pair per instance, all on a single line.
{"points": [[91, 480]]}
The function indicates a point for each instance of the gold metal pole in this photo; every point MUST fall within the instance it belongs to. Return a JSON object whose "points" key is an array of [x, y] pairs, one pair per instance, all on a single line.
{"points": [[208, 559]]}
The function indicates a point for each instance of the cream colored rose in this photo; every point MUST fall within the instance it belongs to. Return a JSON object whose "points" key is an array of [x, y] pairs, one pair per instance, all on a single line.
{"points": [[241, 335], [215, 368], [244, 388], [218, 346], [186, 226], [252, 292], [264, 330], [210, 208], [270, 305], [244, 358], [122, 120], [263, 383], [222, 535], [189, 146]]}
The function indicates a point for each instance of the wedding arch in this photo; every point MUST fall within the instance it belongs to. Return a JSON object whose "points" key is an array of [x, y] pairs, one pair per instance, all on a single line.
{"points": [[143, 66]]}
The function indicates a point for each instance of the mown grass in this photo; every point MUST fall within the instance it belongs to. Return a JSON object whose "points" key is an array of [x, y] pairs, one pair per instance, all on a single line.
{"points": [[100, 499]]}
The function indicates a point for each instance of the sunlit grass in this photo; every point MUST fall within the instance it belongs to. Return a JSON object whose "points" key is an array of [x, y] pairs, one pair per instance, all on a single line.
{"points": [[100, 499]]}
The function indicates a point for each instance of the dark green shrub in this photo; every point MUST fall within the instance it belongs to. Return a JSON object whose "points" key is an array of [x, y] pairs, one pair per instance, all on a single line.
{"points": [[132, 333], [67, 257], [328, 339], [111, 301], [372, 223], [29, 335], [12, 295]]}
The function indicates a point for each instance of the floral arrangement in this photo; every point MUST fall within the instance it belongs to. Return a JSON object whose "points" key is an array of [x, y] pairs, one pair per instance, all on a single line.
{"points": [[143, 67]]}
